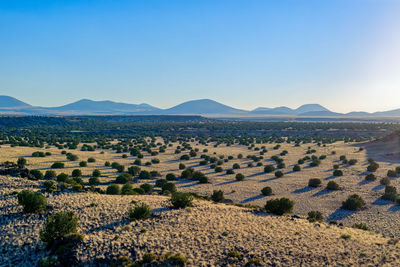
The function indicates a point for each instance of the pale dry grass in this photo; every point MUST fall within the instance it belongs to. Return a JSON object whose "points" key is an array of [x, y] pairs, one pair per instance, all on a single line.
{"points": [[379, 215]]}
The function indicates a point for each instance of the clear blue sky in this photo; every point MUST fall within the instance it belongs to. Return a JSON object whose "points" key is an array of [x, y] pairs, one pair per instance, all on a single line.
{"points": [[343, 54]]}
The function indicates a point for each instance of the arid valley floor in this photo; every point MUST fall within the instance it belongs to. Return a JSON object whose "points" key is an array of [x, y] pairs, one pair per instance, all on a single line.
{"points": [[207, 232]]}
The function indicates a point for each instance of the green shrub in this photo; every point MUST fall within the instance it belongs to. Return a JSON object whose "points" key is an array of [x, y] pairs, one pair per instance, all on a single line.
{"points": [[170, 177], [337, 173], [315, 216], [218, 169], [50, 186], [181, 200], [72, 157], [160, 182], [32, 202], [352, 162], [21, 162], [94, 181], [314, 182], [113, 189], [139, 212], [123, 178], [269, 168], [391, 173], [372, 167], [230, 171], [353, 202], [91, 160], [385, 181], [266, 191], [57, 165], [147, 188], [390, 193], [217, 196], [83, 164], [59, 226], [278, 174], [203, 179], [62, 177], [370, 177], [279, 206], [96, 173], [36, 174], [361, 226], [332, 185], [182, 166], [236, 166], [144, 175], [50, 174], [168, 187], [76, 173], [127, 189], [239, 177], [296, 168]]}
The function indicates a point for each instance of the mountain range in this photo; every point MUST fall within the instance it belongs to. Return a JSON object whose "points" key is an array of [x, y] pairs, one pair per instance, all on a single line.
{"points": [[12, 106]]}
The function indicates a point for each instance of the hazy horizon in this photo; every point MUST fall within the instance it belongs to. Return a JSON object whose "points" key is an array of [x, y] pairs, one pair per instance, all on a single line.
{"points": [[343, 55]]}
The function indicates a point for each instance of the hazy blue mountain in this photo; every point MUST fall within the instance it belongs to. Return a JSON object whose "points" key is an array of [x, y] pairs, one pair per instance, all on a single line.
{"points": [[311, 108], [203, 106], [8, 102], [86, 106], [389, 113], [12, 106]]}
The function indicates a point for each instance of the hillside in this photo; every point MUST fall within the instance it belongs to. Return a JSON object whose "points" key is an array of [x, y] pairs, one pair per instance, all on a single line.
{"points": [[204, 234]]}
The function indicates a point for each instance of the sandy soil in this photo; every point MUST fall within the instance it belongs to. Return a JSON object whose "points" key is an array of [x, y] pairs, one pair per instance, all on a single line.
{"points": [[379, 215], [205, 234]]}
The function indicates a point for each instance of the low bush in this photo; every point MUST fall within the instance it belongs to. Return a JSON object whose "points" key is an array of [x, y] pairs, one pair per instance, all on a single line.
{"points": [[139, 212], [168, 187], [278, 174], [170, 177], [390, 193], [279, 206], [36, 174], [76, 173], [337, 173], [32, 202], [332, 185], [217, 196], [50, 186], [57, 165], [50, 174], [314, 182], [385, 181], [361, 226], [239, 177], [124, 178], [145, 175], [147, 188], [353, 202], [266, 191], [96, 173], [181, 200], [391, 173], [59, 226], [113, 189], [315, 216], [370, 177], [94, 181], [269, 168], [296, 168]]}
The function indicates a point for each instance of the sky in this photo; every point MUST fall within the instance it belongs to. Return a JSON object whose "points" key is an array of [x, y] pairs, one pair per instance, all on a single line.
{"points": [[342, 54]]}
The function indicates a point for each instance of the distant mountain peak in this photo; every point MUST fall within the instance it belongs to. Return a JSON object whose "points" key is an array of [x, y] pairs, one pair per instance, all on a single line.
{"points": [[11, 102]]}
